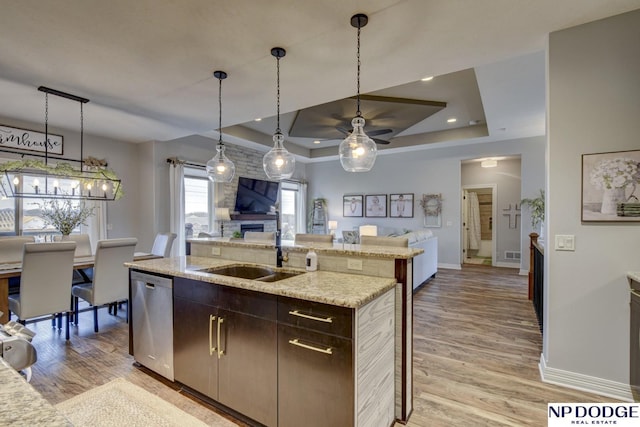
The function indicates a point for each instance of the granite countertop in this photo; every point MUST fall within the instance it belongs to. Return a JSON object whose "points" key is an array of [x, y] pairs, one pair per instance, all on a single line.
{"points": [[22, 405], [388, 252], [340, 289], [634, 275]]}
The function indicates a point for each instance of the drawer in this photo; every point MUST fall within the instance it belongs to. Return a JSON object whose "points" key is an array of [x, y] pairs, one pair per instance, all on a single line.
{"points": [[197, 291], [316, 316], [248, 302]]}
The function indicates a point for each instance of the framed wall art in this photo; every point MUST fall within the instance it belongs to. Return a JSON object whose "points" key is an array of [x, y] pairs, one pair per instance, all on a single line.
{"points": [[376, 205], [432, 208], [609, 186], [352, 205], [401, 205]]}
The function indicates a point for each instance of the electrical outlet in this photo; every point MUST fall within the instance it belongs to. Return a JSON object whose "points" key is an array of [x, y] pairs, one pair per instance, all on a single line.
{"points": [[215, 250], [354, 264], [565, 242]]}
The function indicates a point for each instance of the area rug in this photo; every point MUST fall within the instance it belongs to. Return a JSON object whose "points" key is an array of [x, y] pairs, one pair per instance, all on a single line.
{"points": [[121, 403], [478, 261]]}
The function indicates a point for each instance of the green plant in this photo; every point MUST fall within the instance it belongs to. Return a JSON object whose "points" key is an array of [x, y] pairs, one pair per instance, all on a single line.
{"points": [[236, 235], [64, 215], [536, 206]]}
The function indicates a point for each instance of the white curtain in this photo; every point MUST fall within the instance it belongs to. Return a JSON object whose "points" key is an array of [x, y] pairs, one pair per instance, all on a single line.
{"points": [[96, 226], [474, 221], [301, 215], [176, 196]]}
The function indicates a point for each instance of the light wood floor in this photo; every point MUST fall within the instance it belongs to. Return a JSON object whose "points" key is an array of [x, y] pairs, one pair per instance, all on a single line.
{"points": [[476, 353]]}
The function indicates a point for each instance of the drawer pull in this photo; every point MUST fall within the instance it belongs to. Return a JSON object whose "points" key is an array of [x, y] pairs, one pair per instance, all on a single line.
{"points": [[150, 286], [220, 350], [308, 316], [212, 349], [634, 292], [310, 347]]}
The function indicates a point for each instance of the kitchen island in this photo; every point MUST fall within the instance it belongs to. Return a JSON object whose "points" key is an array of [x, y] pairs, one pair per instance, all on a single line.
{"points": [[315, 346]]}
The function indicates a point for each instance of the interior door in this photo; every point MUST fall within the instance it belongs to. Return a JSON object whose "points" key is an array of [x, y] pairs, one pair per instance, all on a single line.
{"points": [[465, 222]]}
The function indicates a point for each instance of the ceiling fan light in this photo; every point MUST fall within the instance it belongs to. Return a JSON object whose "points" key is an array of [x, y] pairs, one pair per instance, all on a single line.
{"points": [[220, 168], [278, 163], [358, 151]]}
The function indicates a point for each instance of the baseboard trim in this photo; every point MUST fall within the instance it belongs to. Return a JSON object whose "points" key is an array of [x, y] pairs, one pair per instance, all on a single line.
{"points": [[586, 383], [523, 272], [450, 266], [508, 264]]}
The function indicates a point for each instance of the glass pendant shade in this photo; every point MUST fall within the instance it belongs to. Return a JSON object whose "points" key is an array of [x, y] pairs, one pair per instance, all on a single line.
{"points": [[278, 163], [220, 168], [357, 151]]}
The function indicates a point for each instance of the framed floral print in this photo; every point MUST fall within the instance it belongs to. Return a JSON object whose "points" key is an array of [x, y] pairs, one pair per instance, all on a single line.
{"points": [[401, 205], [376, 205], [352, 205], [609, 184]]}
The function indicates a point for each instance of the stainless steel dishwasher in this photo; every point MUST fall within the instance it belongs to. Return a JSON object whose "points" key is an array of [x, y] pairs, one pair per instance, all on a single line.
{"points": [[152, 321]]}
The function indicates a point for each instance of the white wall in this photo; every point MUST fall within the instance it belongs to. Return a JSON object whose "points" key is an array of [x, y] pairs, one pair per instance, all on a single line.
{"points": [[594, 93], [435, 170]]}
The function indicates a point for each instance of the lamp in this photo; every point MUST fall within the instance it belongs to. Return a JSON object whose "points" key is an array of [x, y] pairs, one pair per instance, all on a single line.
{"points": [[220, 168], [278, 163], [358, 151], [222, 214], [333, 226], [37, 179], [489, 163]]}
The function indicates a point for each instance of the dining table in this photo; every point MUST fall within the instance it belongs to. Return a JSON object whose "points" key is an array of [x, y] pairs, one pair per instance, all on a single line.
{"points": [[14, 269]]}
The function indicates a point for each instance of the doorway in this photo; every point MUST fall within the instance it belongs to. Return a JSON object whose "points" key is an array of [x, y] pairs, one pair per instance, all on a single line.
{"points": [[478, 224]]}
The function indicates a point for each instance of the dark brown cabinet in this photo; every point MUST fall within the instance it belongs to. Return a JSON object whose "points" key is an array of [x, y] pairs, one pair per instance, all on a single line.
{"points": [[315, 364], [225, 344]]}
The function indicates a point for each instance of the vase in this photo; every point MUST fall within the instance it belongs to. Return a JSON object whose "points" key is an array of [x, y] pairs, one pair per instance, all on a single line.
{"points": [[610, 199]]}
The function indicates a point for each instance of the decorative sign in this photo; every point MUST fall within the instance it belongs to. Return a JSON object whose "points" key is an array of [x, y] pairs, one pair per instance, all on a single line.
{"points": [[30, 140]]}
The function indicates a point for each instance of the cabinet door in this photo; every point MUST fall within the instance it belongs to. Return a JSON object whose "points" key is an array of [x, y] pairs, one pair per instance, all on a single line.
{"points": [[248, 366], [194, 332], [315, 379]]}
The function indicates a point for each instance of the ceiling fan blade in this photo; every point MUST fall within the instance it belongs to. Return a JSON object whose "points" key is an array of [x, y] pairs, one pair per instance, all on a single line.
{"points": [[378, 132], [381, 141]]}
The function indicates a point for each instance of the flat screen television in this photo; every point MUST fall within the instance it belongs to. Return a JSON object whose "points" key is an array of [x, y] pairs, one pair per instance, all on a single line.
{"points": [[256, 196]]}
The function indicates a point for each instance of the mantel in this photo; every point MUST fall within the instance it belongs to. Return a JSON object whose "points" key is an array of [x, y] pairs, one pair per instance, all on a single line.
{"points": [[252, 217]]}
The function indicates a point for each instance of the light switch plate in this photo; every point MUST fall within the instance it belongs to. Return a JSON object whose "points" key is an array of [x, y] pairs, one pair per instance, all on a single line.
{"points": [[215, 250], [565, 242], [354, 264]]}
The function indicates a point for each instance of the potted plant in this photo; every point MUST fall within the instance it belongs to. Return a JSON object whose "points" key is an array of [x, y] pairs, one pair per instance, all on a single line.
{"points": [[536, 206], [64, 215]]}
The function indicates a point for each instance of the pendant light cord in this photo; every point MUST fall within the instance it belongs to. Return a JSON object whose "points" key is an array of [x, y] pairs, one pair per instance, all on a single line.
{"points": [[220, 111], [278, 94], [46, 129], [358, 113], [81, 136]]}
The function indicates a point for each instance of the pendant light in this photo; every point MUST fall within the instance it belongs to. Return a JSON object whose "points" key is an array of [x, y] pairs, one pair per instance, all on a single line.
{"points": [[220, 168], [278, 163], [358, 151]]}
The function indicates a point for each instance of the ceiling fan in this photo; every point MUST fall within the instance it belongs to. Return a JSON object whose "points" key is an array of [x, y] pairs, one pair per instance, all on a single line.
{"points": [[384, 116]]}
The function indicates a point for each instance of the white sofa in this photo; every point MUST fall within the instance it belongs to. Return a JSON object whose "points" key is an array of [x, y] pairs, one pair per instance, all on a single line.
{"points": [[425, 265]]}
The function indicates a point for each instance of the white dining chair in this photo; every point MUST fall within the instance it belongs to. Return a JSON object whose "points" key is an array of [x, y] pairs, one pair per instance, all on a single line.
{"points": [[260, 236], [11, 250], [162, 244], [83, 243], [110, 277], [45, 281], [302, 238]]}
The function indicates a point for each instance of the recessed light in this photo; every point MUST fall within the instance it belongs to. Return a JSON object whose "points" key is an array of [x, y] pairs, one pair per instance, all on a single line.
{"points": [[258, 119], [452, 120], [489, 163], [427, 79], [316, 142]]}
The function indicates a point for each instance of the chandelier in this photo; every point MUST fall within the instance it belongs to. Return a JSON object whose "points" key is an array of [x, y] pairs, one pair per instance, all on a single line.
{"points": [[38, 179]]}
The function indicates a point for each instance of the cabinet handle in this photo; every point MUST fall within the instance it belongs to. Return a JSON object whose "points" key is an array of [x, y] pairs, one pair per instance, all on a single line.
{"points": [[633, 292], [308, 316], [296, 342], [150, 286], [212, 349], [220, 350]]}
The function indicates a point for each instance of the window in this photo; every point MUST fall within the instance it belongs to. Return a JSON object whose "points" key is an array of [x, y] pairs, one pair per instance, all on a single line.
{"points": [[293, 217], [198, 197]]}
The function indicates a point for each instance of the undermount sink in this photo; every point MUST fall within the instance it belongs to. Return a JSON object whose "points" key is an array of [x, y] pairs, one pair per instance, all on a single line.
{"points": [[263, 274]]}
